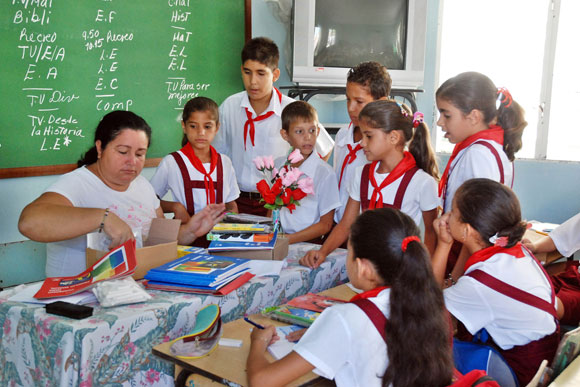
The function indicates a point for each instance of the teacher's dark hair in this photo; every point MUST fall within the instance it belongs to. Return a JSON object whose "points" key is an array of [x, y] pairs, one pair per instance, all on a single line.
{"points": [[418, 330], [110, 126]]}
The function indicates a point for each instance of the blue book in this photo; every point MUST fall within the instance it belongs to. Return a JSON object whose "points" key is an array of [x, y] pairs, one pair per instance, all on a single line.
{"points": [[226, 246], [199, 269]]}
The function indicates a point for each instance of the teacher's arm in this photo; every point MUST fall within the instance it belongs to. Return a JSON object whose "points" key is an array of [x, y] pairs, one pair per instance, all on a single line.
{"points": [[53, 218]]}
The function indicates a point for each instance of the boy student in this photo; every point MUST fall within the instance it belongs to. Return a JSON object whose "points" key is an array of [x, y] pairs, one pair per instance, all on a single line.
{"points": [[251, 121], [313, 217], [366, 82]]}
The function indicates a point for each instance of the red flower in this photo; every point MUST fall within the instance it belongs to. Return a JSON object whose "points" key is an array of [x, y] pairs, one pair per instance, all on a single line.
{"points": [[277, 188], [286, 196], [298, 194], [291, 207], [265, 191]]}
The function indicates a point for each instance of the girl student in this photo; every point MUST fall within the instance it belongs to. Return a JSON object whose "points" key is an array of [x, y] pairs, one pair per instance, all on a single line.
{"points": [[486, 126], [504, 289], [394, 177], [196, 175], [387, 260]]}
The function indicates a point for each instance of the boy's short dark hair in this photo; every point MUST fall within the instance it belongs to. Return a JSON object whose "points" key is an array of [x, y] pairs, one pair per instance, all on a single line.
{"points": [[262, 50], [372, 75], [296, 110]]}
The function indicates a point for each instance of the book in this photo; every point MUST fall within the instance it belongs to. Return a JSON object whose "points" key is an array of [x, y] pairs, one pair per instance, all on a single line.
{"points": [[199, 269], [291, 315], [283, 347], [220, 245], [235, 228], [567, 351], [314, 302], [246, 218], [117, 263], [240, 237], [221, 290]]}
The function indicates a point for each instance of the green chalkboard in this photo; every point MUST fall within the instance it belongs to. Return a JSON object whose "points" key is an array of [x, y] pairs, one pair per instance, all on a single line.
{"points": [[66, 63]]}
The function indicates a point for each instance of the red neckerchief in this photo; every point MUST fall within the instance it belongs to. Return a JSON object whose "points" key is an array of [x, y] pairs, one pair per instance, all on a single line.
{"points": [[488, 252], [369, 293], [408, 162], [250, 121], [197, 164], [494, 133], [350, 157]]}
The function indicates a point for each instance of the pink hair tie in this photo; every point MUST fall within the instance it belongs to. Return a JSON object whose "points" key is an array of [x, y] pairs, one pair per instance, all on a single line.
{"points": [[499, 241], [418, 118], [408, 240]]}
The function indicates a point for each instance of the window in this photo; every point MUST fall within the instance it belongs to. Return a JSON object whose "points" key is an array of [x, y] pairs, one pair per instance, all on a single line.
{"points": [[529, 47]]}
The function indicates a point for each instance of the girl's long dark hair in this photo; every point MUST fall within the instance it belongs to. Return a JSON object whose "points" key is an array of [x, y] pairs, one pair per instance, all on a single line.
{"points": [[472, 90], [491, 209], [110, 126], [418, 330], [388, 115]]}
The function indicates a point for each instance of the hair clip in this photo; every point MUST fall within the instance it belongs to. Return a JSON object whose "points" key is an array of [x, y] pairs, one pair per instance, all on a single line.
{"points": [[404, 112], [418, 118], [498, 241], [503, 97], [408, 240]]}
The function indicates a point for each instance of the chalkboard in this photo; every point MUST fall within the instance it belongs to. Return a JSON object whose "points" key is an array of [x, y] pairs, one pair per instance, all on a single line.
{"points": [[66, 63]]}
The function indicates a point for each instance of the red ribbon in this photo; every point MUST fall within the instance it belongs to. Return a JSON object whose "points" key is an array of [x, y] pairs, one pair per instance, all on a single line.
{"points": [[250, 121], [369, 293], [350, 157], [197, 164], [404, 165], [488, 252]]}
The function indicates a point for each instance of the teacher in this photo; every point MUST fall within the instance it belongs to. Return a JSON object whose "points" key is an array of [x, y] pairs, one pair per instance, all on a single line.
{"points": [[105, 193]]}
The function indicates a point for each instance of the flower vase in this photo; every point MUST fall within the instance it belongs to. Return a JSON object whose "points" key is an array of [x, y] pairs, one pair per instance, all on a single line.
{"points": [[276, 219]]}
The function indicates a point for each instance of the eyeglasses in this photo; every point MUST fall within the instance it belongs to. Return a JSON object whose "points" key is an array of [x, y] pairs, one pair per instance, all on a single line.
{"points": [[204, 337]]}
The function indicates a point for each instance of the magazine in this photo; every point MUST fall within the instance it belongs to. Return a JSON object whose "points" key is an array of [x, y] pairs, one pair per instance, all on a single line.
{"points": [[291, 315], [314, 302], [117, 263]]}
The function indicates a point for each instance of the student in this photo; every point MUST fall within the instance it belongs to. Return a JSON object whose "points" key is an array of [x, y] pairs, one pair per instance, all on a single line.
{"points": [[395, 177], [313, 217], [387, 261], [106, 193], [486, 125], [196, 175], [366, 82], [486, 218], [251, 121]]}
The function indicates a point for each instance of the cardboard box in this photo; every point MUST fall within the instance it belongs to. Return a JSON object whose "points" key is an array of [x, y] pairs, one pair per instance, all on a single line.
{"points": [[159, 248], [279, 252]]}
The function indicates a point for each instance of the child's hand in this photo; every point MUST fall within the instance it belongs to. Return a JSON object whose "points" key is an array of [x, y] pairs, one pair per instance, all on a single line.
{"points": [[441, 227], [181, 213], [313, 259], [264, 337], [117, 230], [296, 335]]}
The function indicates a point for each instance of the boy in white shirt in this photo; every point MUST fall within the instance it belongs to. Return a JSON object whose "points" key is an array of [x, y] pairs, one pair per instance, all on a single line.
{"points": [[366, 82], [251, 120], [312, 219]]}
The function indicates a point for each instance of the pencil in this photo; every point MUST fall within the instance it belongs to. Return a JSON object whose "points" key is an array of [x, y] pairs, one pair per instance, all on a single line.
{"points": [[253, 323]]}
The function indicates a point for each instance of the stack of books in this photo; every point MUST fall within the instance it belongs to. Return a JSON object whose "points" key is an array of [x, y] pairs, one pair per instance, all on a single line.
{"points": [[200, 273], [302, 310], [242, 232]]}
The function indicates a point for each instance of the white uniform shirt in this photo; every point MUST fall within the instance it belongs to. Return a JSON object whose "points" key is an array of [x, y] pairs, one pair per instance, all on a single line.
{"points": [[345, 137], [229, 140], [313, 206], [476, 161], [168, 177], [509, 322], [136, 206], [566, 237], [344, 345], [421, 194]]}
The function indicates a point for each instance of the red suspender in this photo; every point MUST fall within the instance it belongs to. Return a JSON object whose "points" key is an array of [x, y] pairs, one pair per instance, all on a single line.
{"points": [[189, 185], [398, 202], [374, 314], [497, 158]]}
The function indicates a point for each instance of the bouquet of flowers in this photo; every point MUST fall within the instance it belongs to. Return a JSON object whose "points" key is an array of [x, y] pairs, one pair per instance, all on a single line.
{"points": [[284, 187]]}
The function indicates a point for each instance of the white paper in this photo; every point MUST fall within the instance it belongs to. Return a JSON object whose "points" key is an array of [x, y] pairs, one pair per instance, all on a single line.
{"points": [[283, 347], [265, 267]]}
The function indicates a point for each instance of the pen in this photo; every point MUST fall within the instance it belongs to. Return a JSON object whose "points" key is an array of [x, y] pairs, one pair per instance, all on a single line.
{"points": [[253, 323]]}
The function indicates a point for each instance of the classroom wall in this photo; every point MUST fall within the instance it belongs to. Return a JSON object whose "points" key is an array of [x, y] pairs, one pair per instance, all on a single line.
{"points": [[548, 190]]}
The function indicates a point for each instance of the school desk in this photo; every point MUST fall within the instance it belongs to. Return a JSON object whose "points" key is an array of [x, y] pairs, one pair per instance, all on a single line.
{"points": [[227, 365], [569, 377], [113, 347]]}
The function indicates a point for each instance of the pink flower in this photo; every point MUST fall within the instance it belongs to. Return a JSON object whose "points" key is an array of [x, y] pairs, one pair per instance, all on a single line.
{"points": [[306, 184], [259, 163], [152, 376], [291, 177], [269, 162], [295, 156]]}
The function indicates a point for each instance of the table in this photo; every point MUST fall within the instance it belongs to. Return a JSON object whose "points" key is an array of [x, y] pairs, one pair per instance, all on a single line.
{"points": [[228, 365], [113, 347]]}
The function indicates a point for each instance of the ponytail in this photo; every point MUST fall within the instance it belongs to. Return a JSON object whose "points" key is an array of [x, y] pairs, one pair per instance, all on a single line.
{"points": [[417, 333], [511, 119], [421, 149]]}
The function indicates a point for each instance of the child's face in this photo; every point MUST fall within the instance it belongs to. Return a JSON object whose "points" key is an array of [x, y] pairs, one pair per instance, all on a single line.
{"points": [[452, 121], [357, 96], [456, 226], [376, 143], [302, 135], [200, 129], [258, 79]]}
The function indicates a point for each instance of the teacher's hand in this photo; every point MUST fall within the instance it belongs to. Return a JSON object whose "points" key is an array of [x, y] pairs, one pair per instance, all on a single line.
{"points": [[203, 221], [117, 230]]}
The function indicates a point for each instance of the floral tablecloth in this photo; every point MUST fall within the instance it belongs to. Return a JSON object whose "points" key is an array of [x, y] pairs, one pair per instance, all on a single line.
{"points": [[113, 347]]}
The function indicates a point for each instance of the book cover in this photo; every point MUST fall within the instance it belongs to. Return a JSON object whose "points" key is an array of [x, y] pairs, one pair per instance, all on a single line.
{"points": [[225, 245], [119, 262], [291, 315], [314, 302]]}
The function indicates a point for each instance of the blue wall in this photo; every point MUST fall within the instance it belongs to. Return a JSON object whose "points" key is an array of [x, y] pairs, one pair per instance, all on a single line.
{"points": [[548, 191]]}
